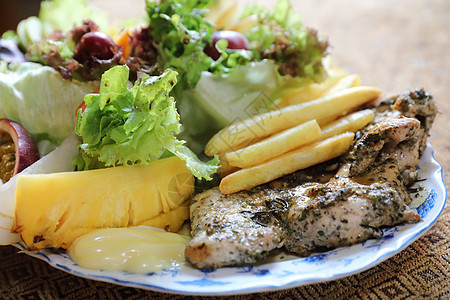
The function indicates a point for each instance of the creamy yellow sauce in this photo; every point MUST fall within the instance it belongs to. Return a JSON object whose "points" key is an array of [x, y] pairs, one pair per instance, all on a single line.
{"points": [[135, 250]]}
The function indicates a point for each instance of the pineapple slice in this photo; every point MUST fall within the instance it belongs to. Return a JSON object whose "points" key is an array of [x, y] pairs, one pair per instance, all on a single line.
{"points": [[53, 210]]}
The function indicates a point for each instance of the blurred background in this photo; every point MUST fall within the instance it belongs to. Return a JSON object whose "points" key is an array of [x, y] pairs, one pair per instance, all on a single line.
{"points": [[11, 12]]}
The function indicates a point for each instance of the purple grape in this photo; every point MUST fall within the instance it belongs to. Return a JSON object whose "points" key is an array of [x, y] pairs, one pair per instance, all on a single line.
{"points": [[96, 44], [236, 40]]}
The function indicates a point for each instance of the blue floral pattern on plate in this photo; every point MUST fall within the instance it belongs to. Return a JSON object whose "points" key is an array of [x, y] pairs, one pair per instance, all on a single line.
{"points": [[427, 205], [288, 272]]}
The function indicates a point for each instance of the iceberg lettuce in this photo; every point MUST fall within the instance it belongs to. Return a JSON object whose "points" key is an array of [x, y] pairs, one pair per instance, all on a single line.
{"points": [[41, 101], [220, 99]]}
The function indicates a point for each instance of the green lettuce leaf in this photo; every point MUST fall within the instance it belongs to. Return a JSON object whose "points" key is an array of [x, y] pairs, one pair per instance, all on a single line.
{"points": [[180, 32], [125, 126], [40, 100]]}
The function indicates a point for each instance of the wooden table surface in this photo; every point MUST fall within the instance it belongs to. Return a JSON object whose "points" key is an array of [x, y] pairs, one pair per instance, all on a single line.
{"points": [[392, 44]]}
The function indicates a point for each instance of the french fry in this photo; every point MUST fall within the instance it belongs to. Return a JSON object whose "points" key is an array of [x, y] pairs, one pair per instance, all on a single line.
{"points": [[312, 91], [229, 17], [225, 168], [315, 90], [352, 122], [263, 125], [244, 25], [217, 9], [274, 145], [345, 82], [287, 163], [224, 13]]}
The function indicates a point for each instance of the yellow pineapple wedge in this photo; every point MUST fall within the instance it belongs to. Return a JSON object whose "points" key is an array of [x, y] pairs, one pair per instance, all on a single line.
{"points": [[52, 210]]}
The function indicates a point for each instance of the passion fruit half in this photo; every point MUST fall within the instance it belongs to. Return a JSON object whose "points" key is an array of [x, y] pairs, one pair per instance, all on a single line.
{"points": [[17, 149]]}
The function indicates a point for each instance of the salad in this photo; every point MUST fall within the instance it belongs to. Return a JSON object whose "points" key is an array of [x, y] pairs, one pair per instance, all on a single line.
{"points": [[149, 96]]}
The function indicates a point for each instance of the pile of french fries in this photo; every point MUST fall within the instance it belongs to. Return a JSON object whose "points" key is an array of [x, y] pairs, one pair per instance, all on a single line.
{"points": [[313, 125]]}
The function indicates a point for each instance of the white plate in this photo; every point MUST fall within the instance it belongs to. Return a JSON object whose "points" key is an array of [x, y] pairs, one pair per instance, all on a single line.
{"points": [[291, 271]]}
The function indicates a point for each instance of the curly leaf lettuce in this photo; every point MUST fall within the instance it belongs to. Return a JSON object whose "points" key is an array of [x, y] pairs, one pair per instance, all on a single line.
{"points": [[125, 126], [181, 31], [279, 35]]}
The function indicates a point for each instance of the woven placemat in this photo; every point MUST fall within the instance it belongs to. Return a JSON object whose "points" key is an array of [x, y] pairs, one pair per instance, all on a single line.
{"points": [[421, 271]]}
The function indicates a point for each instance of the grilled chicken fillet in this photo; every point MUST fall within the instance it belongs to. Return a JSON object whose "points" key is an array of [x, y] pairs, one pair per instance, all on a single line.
{"points": [[232, 229], [303, 213]]}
